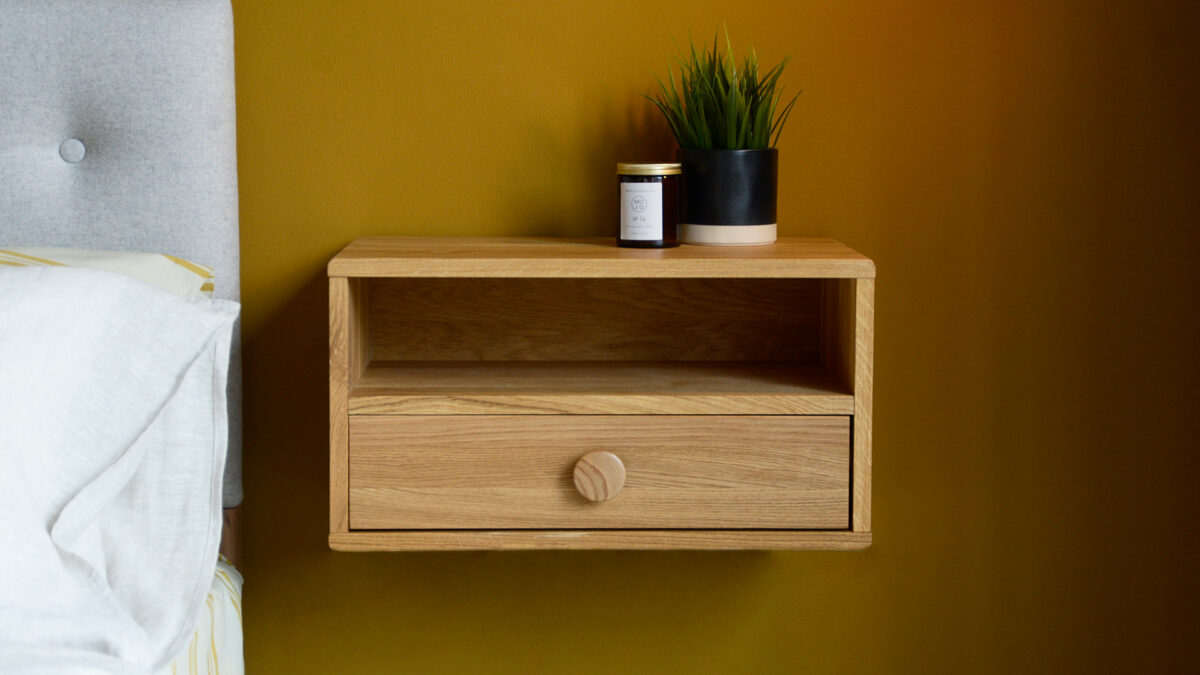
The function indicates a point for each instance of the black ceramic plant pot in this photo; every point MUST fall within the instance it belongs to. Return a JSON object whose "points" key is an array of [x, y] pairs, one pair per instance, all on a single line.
{"points": [[729, 196]]}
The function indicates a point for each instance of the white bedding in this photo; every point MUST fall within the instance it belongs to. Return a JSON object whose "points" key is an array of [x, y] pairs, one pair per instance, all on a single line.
{"points": [[112, 441], [215, 647]]}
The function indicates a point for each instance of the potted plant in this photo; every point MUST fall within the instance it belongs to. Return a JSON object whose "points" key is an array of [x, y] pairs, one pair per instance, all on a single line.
{"points": [[726, 118]]}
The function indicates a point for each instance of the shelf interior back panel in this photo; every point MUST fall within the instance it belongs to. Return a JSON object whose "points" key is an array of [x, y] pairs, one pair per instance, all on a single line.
{"points": [[652, 320]]}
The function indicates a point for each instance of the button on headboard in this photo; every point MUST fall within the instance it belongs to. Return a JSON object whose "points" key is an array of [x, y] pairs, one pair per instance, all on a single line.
{"points": [[117, 131]]}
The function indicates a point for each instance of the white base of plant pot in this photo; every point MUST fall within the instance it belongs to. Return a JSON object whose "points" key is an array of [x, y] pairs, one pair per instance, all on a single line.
{"points": [[728, 235]]}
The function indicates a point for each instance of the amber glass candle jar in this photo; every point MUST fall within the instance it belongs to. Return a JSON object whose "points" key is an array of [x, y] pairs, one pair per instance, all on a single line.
{"points": [[649, 205]]}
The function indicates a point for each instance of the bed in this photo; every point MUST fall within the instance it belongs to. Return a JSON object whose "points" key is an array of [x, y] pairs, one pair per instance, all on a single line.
{"points": [[117, 133]]}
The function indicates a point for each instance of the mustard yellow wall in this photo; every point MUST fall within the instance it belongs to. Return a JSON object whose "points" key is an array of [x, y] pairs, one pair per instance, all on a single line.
{"points": [[1026, 176]]}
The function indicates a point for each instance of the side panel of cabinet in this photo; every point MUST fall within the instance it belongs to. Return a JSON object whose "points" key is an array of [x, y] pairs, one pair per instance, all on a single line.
{"points": [[349, 352], [847, 351], [864, 357]]}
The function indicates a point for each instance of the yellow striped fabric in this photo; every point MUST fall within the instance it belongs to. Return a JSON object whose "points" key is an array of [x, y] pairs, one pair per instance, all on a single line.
{"points": [[199, 270], [18, 258], [179, 276], [216, 644]]}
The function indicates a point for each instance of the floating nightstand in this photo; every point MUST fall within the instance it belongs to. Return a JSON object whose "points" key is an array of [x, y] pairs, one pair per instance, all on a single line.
{"points": [[498, 393]]}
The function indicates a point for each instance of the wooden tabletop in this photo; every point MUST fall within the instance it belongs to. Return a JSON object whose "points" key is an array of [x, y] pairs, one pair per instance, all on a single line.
{"points": [[554, 257]]}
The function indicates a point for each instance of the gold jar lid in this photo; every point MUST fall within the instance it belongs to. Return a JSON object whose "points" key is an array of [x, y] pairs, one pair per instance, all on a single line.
{"points": [[628, 169]]}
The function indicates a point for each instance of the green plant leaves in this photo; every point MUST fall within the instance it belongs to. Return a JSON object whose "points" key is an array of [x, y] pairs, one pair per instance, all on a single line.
{"points": [[717, 104]]}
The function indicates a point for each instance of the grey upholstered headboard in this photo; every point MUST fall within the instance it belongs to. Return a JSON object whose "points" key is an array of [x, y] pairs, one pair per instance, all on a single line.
{"points": [[117, 132]]}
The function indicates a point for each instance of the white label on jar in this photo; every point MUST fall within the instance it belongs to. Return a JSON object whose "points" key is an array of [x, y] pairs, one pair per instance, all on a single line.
{"points": [[641, 211]]}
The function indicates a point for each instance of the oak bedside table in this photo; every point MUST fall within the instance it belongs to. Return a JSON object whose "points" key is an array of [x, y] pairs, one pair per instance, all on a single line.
{"points": [[500, 393]]}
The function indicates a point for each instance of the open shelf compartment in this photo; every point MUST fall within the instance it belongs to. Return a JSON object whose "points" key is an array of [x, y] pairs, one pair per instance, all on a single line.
{"points": [[600, 346]]}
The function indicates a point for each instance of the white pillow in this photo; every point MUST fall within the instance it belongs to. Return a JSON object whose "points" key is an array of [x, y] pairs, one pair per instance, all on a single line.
{"points": [[179, 276]]}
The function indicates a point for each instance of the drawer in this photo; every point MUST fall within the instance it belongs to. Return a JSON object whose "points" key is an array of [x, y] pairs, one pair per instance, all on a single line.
{"points": [[517, 472]]}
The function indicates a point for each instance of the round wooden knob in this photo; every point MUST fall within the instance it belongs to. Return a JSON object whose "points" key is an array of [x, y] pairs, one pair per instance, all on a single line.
{"points": [[599, 476]]}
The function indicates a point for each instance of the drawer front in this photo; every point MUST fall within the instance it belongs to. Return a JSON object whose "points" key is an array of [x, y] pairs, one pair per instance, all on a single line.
{"points": [[516, 471]]}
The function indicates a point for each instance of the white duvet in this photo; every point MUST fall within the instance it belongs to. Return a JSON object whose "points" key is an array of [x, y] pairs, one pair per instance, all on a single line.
{"points": [[112, 443]]}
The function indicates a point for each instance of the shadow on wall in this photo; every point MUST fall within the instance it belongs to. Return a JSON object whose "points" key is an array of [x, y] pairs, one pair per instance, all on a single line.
{"points": [[629, 131], [286, 431]]}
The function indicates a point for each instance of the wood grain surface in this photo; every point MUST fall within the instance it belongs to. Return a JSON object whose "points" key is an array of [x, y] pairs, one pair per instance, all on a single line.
{"points": [[864, 359], [599, 476], [597, 388], [474, 540], [596, 319], [554, 257], [339, 394], [515, 471]]}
